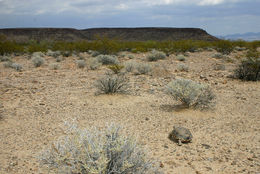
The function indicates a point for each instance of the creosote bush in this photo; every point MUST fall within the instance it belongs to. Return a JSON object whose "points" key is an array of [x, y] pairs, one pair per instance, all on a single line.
{"points": [[107, 59], [191, 94], [112, 83], [156, 55], [85, 151], [37, 59]]}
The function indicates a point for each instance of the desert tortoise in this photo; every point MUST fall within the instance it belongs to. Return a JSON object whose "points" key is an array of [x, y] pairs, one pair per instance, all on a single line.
{"points": [[180, 135]]}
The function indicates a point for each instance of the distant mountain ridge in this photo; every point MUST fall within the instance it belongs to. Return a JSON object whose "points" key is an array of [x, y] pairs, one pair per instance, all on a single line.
{"points": [[127, 34], [250, 36]]}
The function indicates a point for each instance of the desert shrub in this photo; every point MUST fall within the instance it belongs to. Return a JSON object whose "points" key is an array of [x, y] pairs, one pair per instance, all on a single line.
{"points": [[107, 59], [224, 46], [96, 151], [143, 68], [156, 55], [116, 68], [8, 64], [37, 54], [248, 69], [5, 58], [130, 66], [218, 55], [94, 63], [218, 67], [130, 56], [54, 54], [37, 60], [81, 63], [16, 66], [54, 66], [59, 59], [112, 84], [181, 57], [182, 67], [190, 93], [94, 53]]}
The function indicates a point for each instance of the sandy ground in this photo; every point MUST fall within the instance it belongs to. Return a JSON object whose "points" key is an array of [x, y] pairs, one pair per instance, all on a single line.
{"points": [[36, 101]]}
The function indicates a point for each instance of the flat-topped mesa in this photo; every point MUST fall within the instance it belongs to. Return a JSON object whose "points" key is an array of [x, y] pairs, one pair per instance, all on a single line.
{"points": [[127, 34]]}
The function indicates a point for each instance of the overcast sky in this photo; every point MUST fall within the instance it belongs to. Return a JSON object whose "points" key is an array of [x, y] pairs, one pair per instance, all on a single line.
{"points": [[217, 17]]}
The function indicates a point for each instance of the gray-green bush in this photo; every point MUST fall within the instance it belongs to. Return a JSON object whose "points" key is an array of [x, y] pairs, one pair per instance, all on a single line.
{"points": [[182, 67], [94, 63], [81, 63], [181, 57], [83, 151], [112, 83], [143, 68], [191, 94], [107, 59], [156, 55], [54, 66]]}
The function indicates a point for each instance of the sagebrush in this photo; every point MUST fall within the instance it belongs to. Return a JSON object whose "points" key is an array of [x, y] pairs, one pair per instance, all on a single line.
{"points": [[191, 94], [83, 151]]}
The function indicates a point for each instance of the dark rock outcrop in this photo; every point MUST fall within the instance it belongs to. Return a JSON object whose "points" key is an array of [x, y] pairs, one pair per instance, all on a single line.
{"points": [[128, 34]]}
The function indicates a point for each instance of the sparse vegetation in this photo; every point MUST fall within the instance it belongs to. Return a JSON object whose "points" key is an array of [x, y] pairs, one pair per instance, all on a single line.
{"points": [[17, 66], [5, 58], [92, 151], [218, 55], [112, 84], [81, 63], [190, 93], [156, 55]]}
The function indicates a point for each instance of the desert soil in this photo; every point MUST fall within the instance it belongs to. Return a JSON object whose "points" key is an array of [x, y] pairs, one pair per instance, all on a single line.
{"points": [[36, 102]]}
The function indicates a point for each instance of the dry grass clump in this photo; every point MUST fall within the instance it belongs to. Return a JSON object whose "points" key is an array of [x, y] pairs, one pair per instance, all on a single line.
{"points": [[5, 58], [85, 151], [130, 66], [54, 54], [93, 63], [54, 66], [112, 83], [191, 94], [218, 56], [16, 66], [156, 55]]}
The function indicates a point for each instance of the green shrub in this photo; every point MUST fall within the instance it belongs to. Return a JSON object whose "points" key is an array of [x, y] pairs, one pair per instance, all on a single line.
{"points": [[130, 56], [85, 151], [248, 69], [112, 84], [156, 55], [190, 93], [81, 63], [182, 67], [37, 61], [224, 46], [107, 59], [143, 68], [116, 68]]}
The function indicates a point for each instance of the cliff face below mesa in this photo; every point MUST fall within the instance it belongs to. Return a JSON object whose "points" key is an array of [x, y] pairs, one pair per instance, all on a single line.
{"points": [[127, 34]]}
